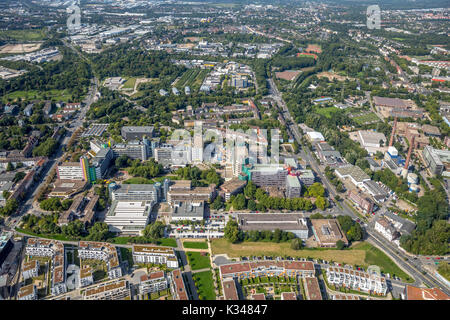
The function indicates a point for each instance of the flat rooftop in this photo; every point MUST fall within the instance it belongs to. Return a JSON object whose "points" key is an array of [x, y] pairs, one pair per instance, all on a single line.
{"points": [[271, 221], [328, 231]]}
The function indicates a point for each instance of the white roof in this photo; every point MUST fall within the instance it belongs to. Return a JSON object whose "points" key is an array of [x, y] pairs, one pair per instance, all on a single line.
{"points": [[314, 135]]}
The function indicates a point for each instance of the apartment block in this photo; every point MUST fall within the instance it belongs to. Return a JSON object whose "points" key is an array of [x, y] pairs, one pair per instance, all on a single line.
{"points": [[177, 286], [118, 289], [153, 282], [101, 251], [242, 270], [357, 280], [30, 269]]}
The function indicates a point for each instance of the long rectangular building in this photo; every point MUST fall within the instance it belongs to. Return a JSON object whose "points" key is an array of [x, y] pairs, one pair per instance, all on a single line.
{"points": [[290, 222], [177, 286], [118, 289], [242, 270], [155, 254], [357, 280]]}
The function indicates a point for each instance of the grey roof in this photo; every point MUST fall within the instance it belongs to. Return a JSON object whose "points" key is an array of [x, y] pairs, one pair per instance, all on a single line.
{"points": [[407, 225], [137, 129], [187, 209], [128, 188], [272, 221], [374, 189]]}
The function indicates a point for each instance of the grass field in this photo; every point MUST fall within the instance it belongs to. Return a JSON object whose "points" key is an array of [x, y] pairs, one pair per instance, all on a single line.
{"points": [[23, 35], [362, 254], [56, 95], [187, 78], [129, 84], [198, 260], [205, 285], [370, 117], [195, 245], [283, 249], [377, 257], [327, 112], [195, 85]]}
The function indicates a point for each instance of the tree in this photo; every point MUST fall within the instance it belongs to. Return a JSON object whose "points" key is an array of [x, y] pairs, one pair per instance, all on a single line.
{"points": [[19, 176], [98, 232], [217, 203], [155, 230], [250, 190], [73, 228], [296, 244], [9, 167], [51, 204], [239, 202], [231, 231], [355, 233], [340, 244], [10, 207], [122, 161], [321, 203], [316, 190], [251, 205]]}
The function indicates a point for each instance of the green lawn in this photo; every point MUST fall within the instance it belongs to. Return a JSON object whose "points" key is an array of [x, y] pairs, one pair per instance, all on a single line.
{"points": [[129, 84], [205, 285], [377, 257], [195, 245], [370, 117], [127, 254], [198, 260], [23, 35], [55, 95], [327, 112], [168, 242]]}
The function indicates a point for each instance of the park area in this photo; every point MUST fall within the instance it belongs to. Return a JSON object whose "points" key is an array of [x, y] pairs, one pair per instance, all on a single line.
{"points": [[55, 95], [360, 254], [198, 260], [205, 285]]}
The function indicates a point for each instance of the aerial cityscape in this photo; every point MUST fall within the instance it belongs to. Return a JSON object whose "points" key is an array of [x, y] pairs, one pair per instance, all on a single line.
{"points": [[224, 150]]}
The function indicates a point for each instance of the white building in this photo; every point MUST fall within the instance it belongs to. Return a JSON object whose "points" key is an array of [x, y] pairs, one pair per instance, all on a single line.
{"points": [[86, 276], [30, 269], [70, 171], [129, 217], [315, 136], [384, 227], [153, 282], [115, 290], [101, 251], [155, 254], [357, 280], [27, 293]]}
